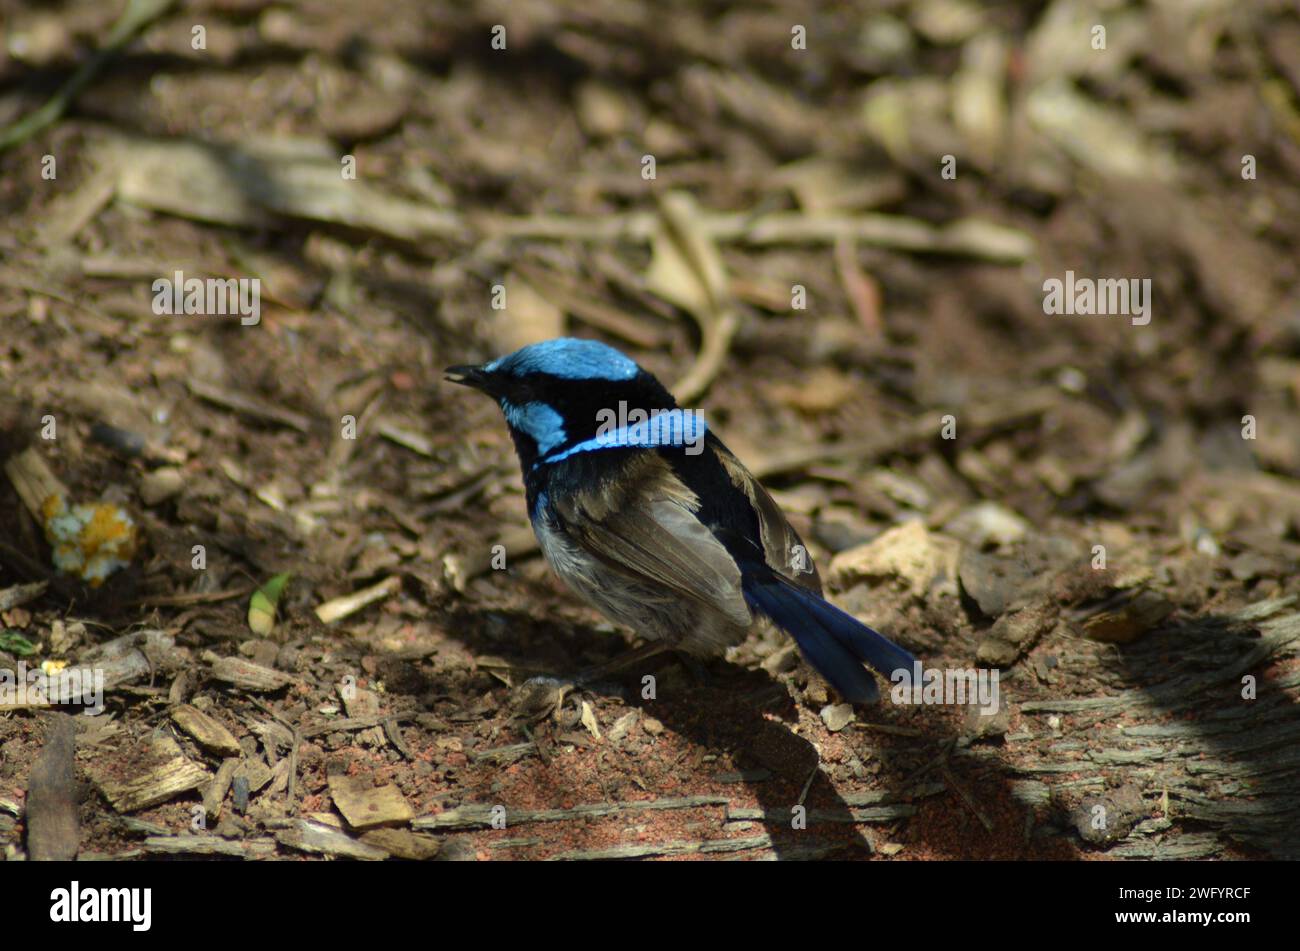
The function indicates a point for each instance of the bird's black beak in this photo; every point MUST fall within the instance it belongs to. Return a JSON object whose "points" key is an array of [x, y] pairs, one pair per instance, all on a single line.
{"points": [[467, 376]]}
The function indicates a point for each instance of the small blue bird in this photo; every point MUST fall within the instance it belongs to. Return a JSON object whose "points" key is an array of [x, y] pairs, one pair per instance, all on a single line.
{"points": [[643, 512]]}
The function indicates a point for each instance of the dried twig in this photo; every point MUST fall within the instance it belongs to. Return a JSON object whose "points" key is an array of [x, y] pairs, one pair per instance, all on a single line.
{"points": [[480, 817], [137, 15], [341, 607], [265, 412], [979, 419], [291, 791]]}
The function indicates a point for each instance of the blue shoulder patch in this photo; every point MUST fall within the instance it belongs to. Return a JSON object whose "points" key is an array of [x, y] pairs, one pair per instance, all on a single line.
{"points": [[541, 422], [568, 358], [676, 427]]}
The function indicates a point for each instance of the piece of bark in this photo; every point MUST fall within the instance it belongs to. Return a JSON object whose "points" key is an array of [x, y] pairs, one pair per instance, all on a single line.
{"points": [[360, 702], [479, 816], [215, 794], [208, 732], [52, 829], [279, 778], [1128, 616], [249, 676], [403, 844], [20, 594], [174, 775], [366, 806], [136, 656], [253, 771], [308, 836], [208, 845]]}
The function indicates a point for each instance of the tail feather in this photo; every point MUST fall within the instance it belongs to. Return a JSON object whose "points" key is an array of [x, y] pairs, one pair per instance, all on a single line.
{"points": [[834, 642]]}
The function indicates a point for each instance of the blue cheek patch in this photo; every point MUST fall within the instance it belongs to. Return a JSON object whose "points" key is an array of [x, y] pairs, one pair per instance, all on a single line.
{"points": [[569, 359], [541, 422], [675, 427]]}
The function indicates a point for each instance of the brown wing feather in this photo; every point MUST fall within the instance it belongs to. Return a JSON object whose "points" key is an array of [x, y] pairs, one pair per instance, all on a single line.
{"points": [[778, 537], [657, 536]]}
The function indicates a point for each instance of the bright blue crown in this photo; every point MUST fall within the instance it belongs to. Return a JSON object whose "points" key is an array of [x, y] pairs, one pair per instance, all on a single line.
{"points": [[567, 358]]}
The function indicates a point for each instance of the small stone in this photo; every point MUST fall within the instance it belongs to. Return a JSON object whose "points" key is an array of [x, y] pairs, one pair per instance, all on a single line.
{"points": [[924, 561], [995, 652], [366, 114], [837, 716], [987, 523], [459, 849], [601, 110], [160, 485], [1013, 634], [1102, 820], [984, 724], [992, 582]]}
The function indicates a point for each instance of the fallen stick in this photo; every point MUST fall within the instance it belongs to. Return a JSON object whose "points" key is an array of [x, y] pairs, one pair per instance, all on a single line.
{"points": [[341, 607], [979, 419], [481, 817], [137, 15]]}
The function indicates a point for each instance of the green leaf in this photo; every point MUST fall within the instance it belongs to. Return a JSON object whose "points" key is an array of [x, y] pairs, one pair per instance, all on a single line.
{"points": [[265, 600], [12, 642]]}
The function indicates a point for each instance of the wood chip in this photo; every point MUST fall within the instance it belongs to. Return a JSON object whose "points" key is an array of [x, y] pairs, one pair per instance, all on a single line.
{"points": [[307, 836], [481, 816], [259, 410], [209, 845], [822, 816], [258, 184], [1128, 616], [249, 676], [169, 779], [365, 805], [20, 594], [589, 720], [34, 481], [253, 772], [215, 794], [207, 731], [52, 829], [403, 844], [136, 656], [715, 846]]}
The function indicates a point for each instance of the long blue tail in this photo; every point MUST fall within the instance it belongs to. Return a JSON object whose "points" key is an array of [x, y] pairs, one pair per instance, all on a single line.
{"points": [[834, 642]]}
